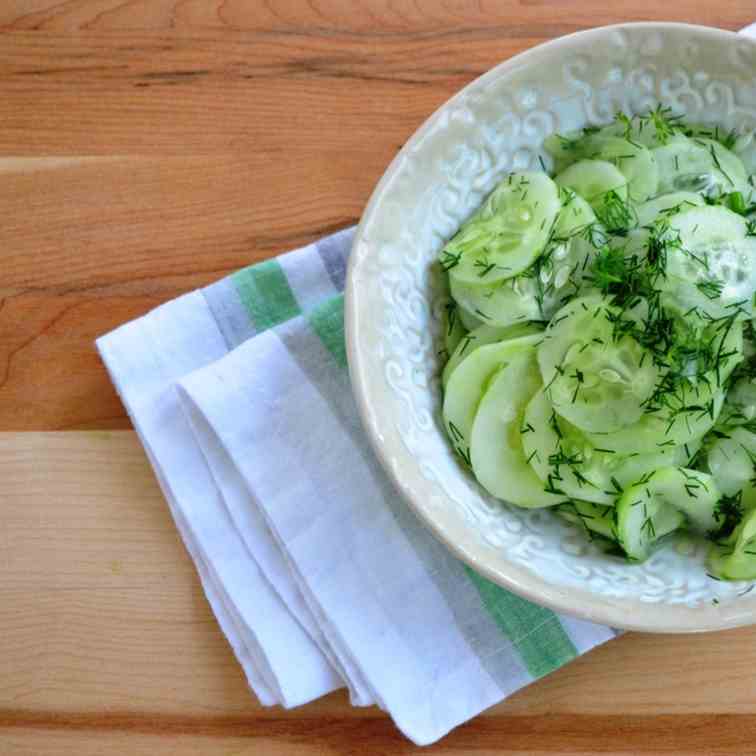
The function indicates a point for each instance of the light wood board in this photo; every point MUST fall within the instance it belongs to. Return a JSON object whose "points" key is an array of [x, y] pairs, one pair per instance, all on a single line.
{"points": [[148, 147]]}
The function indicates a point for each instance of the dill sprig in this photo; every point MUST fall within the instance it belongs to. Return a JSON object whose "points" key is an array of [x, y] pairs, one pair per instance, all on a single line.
{"points": [[451, 316], [449, 259], [616, 214], [715, 158], [728, 512], [711, 287], [665, 123]]}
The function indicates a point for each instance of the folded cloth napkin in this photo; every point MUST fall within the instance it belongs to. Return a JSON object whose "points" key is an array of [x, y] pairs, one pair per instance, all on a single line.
{"points": [[318, 573]]}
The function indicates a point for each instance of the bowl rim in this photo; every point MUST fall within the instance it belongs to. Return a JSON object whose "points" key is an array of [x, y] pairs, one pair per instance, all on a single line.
{"points": [[625, 613]]}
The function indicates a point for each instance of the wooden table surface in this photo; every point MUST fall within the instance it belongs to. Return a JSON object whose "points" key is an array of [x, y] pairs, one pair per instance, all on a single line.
{"points": [[148, 147]]}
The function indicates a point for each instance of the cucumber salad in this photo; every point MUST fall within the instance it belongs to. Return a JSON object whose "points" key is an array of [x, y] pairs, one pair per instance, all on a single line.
{"points": [[599, 340]]}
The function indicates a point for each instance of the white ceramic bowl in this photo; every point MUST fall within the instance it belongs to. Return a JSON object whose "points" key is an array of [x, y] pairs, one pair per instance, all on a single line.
{"points": [[496, 125]]}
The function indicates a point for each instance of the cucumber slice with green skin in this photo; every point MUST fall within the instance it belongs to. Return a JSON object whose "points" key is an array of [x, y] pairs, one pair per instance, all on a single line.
{"points": [[468, 383], [566, 328], [693, 493], [730, 461], [686, 413], [593, 180], [502, 303], [569, 465], [535, 295], [577, 234], [524, 297], [597, 383], [594, 518], [507, 233], [745, 149], [634, 161], [740, 404], [454, 331], [649, 511], [481, 336], [498, 460], [726, 162], [575, 215], [667, 204], [690, 407], [559, 458], [734, 558], [635, 242], [749, 341], [698, 165], [468, 320], [696, 408], [603, 386], [712, 266], [645, 130], [564, 148]]}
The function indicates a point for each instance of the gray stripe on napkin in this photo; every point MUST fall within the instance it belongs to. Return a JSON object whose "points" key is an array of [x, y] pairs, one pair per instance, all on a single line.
{"points": [[334, 251], [229, 312], [496, 652]]}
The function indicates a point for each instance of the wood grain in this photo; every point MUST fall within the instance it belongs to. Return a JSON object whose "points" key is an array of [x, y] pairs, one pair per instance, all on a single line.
{"points": [[514, 736], [147, 148], [107, 638]]}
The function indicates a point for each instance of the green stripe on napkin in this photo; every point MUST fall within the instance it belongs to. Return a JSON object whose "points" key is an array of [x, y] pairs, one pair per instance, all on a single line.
{"points": [[535, 632], [266, 294], [327, 320]]}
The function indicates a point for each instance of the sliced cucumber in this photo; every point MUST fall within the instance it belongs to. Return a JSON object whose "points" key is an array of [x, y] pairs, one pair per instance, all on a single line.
{"points": [[731, 461], [564, 148], [566, 328], [562, 266], [559, 457], [640, 256], [692, 412], [740, 405], [597, 383], [727, 163], [634, 161], [648, 130], [690, 406], [596, 519], [502, 303], [468, 383], [648, 511], [454, 331], [667, 204], [536, 294], [710, 265], [745, 149], [593, 180], [508, 232], [735, 557], [603, 386], [698, 165], [693, 493], [634, 243], [575, 215], [481, 336], [468, 320], [496, 452], [569, 465]]}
